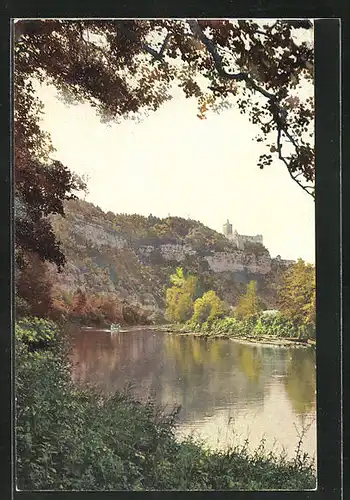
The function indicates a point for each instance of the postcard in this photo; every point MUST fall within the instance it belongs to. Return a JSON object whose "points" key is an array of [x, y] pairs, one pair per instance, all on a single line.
{"points": [[165, 281]]}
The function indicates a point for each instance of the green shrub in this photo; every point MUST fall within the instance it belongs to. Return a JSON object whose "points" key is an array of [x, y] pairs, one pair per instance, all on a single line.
{"points": [[273, 325], [68, 438], [37, 332]]}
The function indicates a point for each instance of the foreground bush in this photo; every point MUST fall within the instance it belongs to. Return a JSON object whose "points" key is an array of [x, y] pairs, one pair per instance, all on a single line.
{"points": [[38, 333], [74, 439]]}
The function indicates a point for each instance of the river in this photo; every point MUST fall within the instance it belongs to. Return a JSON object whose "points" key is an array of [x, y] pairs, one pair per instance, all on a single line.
{"points": [[228, 391]]}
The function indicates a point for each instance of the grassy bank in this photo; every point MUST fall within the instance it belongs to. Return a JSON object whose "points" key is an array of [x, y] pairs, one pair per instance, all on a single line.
{"points": [[70, 438], [269, 328]]}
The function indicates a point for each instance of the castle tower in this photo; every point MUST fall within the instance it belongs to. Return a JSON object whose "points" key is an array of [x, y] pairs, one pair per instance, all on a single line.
{"points": [[260, 239], [227, 229]]}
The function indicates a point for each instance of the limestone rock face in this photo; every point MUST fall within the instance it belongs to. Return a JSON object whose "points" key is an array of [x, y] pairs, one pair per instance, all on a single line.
{"points": [[238, 260], [97, 234], [176, 252]]}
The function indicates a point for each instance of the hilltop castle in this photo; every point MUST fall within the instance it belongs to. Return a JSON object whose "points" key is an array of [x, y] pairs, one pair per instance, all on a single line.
{"points": [[240, 239]]}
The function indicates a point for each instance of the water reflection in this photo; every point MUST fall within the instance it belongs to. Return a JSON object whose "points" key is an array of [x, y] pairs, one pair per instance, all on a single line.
{"points": [[300, 382], [221, 385]]}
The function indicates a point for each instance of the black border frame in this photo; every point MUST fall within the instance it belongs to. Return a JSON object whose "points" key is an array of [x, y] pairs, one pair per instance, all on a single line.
{"points": [[328, 255]]}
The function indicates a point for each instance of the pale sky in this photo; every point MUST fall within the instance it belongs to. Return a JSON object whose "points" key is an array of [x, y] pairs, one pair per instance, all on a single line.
{"points": [[173, 163]]}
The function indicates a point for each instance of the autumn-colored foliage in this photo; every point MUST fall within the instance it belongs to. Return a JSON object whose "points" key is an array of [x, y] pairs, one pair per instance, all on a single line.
{"points": [[180, 296], [297, 294], [184, 301], [207, 307], [249, 304], [86, 308], [38, 295]]}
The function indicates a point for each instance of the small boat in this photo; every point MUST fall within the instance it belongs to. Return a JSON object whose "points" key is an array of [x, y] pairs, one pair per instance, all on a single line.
{"points": [[115, 327]]}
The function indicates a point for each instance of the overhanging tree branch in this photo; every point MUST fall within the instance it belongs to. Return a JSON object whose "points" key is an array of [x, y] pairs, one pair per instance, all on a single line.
{"points": [[279, 113], [132, 36], [242, 76], [308, 189]]}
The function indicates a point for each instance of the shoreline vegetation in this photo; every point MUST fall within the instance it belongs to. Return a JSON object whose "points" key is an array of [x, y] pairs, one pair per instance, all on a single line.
{"points": [[74, 438], [250, 339], [180, 330], [192, 312]]}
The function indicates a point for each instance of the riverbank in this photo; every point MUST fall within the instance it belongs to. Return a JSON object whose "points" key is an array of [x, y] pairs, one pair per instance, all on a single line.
{"points": [[259, 340], [243, 339], [73, 438]]}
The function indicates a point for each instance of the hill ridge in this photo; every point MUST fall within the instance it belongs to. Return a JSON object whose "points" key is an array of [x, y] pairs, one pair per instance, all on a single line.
{"points": [[131, 256]]}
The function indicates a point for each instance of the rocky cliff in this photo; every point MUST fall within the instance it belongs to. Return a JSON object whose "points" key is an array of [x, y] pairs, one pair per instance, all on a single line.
{"points": [[131, 257]]}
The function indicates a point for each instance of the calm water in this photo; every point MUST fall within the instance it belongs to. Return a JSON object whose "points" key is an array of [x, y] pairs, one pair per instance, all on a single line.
{"points": [[228, 391]]}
